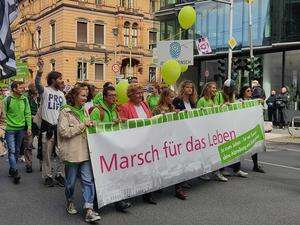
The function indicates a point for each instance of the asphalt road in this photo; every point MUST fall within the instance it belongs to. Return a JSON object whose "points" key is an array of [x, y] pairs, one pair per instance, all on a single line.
{"points": [[267, 199]]}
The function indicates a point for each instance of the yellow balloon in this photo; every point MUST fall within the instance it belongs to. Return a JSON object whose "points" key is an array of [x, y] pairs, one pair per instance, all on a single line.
{"points": [[187, 17], [121, 90], [171, 71], [184, 68]]}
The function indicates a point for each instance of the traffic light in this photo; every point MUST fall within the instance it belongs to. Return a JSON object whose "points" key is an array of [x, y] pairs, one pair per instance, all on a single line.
{"points": [[222, 68], [236, 66], [255, 67]]}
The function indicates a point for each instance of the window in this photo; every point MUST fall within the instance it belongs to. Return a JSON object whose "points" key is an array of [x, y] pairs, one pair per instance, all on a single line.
{"points": [[39, 37], [134, 34], [130, 4], [126, 33], [167, 2], [122, 3], [152, 6], [99, 34], [98, 2], [81, 71], [99, 72], [152, 74], [52, 62], [152, 39], [82, 32], [53, 33]]}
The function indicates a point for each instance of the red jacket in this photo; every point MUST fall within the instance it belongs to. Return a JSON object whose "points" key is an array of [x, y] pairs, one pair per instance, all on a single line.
{"points": [[127, 111]]}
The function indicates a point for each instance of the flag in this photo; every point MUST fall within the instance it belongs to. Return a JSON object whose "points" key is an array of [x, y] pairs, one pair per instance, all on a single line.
{"points": [[8, 13]]}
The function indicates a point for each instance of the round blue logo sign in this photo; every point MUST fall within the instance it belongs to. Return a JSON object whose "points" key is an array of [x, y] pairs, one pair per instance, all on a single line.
{"points": [[175, 49]]}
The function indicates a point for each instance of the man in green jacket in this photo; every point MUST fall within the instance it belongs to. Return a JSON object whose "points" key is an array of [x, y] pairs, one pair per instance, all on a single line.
{"points": [[18, 121], [106, 112]]}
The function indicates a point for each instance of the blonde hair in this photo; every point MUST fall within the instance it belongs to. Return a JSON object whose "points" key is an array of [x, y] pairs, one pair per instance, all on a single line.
{"points": [[206, 87], [194, 96]]}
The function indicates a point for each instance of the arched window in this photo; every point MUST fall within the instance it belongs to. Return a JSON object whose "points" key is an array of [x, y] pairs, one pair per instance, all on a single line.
{"points": [[134, 35], [126, 33]]}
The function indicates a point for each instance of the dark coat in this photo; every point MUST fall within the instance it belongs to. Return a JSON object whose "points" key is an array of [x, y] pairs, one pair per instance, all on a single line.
{"points": [[179, 104], [271, 101]]}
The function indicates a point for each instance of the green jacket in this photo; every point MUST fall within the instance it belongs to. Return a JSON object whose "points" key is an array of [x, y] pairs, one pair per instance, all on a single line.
{"points": [[218, 100], [98, 99], [103, 113], [152, 101], [17, 114], [203, 103]]}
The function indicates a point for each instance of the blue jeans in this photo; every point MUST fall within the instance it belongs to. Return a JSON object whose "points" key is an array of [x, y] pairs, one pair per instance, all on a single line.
{"points": [[84, 172], [14, 141]]}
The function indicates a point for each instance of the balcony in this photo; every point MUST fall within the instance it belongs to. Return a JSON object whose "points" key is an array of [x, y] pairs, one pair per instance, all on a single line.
{"points": [[128, 10]]}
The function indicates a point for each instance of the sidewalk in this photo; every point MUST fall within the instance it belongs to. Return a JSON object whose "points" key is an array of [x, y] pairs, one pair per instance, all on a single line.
{"points": [[281, 136]]}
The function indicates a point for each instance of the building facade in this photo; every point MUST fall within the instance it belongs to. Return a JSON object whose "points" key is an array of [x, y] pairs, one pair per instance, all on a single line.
{"points": [[84, 39], [276, 39]]}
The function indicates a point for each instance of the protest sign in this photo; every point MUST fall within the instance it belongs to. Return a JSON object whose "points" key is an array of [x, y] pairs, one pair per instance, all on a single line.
{"points": [[180, 50], [145, 155]]}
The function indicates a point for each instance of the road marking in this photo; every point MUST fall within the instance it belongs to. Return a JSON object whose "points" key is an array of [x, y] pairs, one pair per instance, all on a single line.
{"points": [[277, 165], [270, 149]]}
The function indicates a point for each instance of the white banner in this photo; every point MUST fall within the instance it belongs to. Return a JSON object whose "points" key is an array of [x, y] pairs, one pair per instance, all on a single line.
{"points": [[180, 50], [146, 155]]}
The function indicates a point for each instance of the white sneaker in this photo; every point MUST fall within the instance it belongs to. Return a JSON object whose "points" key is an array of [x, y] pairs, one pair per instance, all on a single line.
{"points": [[71, 208], [220, 177], [22, 159], [241, 173], [91, 216]]}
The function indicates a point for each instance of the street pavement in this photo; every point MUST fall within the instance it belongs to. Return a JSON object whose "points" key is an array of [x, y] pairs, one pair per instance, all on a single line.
{"points": [[261, 199]]}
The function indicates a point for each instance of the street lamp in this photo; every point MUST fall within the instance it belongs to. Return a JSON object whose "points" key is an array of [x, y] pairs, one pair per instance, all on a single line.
{"points": [[230, 3]]}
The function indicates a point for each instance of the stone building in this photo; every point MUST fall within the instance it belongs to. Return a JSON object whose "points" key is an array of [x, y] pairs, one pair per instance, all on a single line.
{"points": [[83, 39]]}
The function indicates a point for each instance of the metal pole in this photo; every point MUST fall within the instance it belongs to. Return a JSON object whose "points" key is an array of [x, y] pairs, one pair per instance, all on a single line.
{"points": [[250, 31], [230, 36]]}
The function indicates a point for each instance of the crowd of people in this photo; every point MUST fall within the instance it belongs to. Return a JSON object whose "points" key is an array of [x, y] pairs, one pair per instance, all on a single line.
{"points": [[278, 106], [61, 121]]}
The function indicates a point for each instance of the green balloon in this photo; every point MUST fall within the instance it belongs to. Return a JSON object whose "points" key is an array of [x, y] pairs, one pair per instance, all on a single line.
{"points": [[184, 68], [121, 90], [187, 17], [171, 71]]}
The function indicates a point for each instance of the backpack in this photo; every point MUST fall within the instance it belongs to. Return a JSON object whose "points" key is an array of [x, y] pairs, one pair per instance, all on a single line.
{"points": [[8, 101], [102, 112]]}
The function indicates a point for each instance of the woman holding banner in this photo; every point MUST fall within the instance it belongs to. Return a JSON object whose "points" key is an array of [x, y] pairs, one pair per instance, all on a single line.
{"points": [[165, 106], [229, 97], [209, 98], [187, 96], [136, 108], [246, 94], [72, 142], [186, 100]]}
